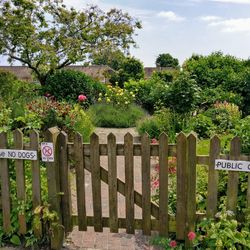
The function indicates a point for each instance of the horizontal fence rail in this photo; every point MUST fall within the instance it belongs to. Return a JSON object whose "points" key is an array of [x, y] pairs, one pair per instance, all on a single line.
{"points": [[86, 157]]}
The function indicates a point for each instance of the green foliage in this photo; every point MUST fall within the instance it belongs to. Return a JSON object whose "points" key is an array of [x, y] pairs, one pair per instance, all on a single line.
{"points": [[46, 35], [5, 118], [131, 68], [142, 90], [216, 70], [45, 113], [224, 232], [166, 60], [182, 95], [165, 75], [117, 96], [209, 96], [108, 56], [69, 84], [15, 94], [202, 125], [107, 115], [225, 116], [243, 131], [33, 217], [163, 120]]}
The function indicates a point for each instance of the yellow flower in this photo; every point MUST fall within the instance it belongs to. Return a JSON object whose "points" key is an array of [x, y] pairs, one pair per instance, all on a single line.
{"points": [[99, 99], [126, 102], [108, 100], [100, 94]]}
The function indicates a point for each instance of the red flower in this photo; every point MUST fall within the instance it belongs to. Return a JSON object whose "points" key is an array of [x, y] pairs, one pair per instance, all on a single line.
{"points": [[191, 235], [82, 98], [154, 141], [172, 170], [173, 243]]}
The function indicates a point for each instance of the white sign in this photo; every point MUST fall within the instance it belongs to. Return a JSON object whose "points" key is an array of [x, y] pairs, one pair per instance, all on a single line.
{"points": [[18, 154], [243, 166], [47, 150]]}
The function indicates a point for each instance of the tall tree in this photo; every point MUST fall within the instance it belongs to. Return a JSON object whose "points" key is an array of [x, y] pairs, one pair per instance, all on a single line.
{"points": [[108, 56], [45, 35], [166, 60]]}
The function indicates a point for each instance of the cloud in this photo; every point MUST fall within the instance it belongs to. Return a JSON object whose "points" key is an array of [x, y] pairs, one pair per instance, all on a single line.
{"points": [[233, 25], [233, 1], [170, 16], [210, 18]]}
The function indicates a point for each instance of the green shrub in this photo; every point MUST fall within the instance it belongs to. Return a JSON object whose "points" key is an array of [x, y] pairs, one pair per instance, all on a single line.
{"points": [[107, 115], [209, 96], [163, 120], [202, 125], [225, 116], [148, 93], [5, 118], [243, 131], [15, 93], [69, 84]]}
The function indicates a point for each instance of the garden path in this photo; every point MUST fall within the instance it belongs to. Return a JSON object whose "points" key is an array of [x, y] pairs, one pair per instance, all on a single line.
{"points": [[106, 240]]}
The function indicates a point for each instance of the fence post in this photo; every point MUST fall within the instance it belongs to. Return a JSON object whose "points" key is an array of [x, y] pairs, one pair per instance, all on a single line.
{"points": [[233, 176], [191, 187], [181, 206], [213, 177], [163, 185], [54, 190], [20, 180], [5, 185]]}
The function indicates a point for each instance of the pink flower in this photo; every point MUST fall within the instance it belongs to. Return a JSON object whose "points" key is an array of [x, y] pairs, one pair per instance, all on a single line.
{"points": [[173, 243], [154, 141], [82, 98], [172, 170], [157, 167], [191, 235], [155, 184]]}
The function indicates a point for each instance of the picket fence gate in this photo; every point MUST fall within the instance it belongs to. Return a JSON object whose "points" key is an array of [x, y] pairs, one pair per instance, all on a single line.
{"points": [[87, 156]]}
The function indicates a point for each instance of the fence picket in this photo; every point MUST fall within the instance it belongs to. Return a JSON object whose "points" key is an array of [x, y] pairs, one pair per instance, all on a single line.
{"points": [[20, 180], [36, 181], [213, 177], [96, 181], [5, 185], [146, 198], [112, 183], [163, 185], [181, 206], [233, 177], [248, 191], [129, 182], [53, 180], [80, 182], [64, 181], [191, 187]]}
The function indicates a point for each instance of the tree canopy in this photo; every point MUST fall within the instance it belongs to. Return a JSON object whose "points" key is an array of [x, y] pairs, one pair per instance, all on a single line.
{"points": [[46, 35], [166, 60]]}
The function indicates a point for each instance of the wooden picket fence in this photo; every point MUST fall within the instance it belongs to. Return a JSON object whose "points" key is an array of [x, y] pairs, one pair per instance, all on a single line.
{"points": [[87, 156]]}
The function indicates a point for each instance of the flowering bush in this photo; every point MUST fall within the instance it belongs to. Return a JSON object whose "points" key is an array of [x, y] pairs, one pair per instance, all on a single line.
{"points": [[44, 113], [117, 97]]}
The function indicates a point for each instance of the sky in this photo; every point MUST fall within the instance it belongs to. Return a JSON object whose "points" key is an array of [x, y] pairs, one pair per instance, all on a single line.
{"points": [[182, 28]]}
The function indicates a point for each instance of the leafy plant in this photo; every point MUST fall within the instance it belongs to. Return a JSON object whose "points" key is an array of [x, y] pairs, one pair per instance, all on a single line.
{"points": [[223, 232], [68, 84], [107, 115]]}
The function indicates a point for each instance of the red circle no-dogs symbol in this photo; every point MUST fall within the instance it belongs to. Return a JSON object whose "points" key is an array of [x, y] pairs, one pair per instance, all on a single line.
{"points": [[47, 151]]}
